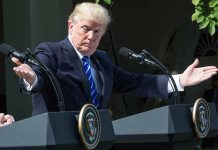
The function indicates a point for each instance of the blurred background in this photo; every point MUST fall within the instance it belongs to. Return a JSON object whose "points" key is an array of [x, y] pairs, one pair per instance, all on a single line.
{"points": [[164, 28]]}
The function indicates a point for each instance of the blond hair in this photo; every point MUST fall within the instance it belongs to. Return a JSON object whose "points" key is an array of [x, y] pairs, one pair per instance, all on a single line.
{"points": [[90, 11]]}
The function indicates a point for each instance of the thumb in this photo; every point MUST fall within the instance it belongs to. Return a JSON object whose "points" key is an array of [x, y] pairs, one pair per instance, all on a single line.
{"points": [[194, 64], [16, 61]]}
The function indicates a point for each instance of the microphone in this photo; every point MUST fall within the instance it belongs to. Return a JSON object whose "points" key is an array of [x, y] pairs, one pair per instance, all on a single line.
{"points": [[146, 57], [9, 51], [140, 58]]}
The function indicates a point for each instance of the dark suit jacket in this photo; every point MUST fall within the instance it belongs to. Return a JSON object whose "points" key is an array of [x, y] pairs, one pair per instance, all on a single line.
{"points": [[67, 67]]}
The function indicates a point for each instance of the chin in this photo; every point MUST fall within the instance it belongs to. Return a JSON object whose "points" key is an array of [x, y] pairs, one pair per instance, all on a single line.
{"points": [[87, 51]]}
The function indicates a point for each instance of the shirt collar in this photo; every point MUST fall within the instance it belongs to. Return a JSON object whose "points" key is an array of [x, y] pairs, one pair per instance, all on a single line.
{"points": [[78, 53]]}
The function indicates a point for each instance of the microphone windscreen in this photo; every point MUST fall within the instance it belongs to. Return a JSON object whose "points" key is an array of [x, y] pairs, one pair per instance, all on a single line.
{"points": [[125, 51], [5, 49]]}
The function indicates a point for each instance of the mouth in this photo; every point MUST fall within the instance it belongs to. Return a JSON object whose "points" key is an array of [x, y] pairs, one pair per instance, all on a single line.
{"points": [[88, 45]]}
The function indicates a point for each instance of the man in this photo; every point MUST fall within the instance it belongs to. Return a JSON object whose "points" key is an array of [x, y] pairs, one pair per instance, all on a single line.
{"points": [[93, 78]]}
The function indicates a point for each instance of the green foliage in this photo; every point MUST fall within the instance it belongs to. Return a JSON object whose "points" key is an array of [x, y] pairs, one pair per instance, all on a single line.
{"points": [[109, 2], [206, 14]]}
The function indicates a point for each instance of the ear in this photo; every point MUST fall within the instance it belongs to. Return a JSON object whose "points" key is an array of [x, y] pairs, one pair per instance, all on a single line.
{"points": [[70, 26]]}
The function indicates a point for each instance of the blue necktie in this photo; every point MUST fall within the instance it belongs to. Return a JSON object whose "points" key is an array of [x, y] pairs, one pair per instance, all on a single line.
{"points": [[87, 70]]}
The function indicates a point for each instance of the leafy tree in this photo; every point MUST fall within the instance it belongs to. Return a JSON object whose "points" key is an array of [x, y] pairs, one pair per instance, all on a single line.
{"points": [[106, 1], [206, 14]]}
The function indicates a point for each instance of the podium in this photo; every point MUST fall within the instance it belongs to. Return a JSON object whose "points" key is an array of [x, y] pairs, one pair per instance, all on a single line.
{"points": [[52, 131], [166, 128]]}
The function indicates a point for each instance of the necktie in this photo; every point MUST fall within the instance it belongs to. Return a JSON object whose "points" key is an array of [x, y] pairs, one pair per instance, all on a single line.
{"points": [[87, 70]]}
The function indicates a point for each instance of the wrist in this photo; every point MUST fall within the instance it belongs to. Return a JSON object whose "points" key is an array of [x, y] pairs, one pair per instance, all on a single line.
{"points": [[182, 81]]}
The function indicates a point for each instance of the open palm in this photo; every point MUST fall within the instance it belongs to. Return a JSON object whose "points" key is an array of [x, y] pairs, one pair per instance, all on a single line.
{"points": [[193, 75]]}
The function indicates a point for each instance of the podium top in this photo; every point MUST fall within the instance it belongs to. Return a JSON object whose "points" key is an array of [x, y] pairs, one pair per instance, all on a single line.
{"points": [[165, 124], [52, 129]]}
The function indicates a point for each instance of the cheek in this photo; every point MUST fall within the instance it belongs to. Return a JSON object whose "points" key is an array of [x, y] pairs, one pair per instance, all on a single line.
{"points": [[98, 41], [77, 40]]}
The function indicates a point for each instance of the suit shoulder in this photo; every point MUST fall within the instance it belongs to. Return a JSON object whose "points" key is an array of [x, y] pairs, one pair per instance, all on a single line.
{"points": [[103, 55], [48, 45], [56, 46]]}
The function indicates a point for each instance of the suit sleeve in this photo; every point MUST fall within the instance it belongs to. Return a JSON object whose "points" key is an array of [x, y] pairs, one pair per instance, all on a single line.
{"points": [[46, 55], [143, 85]]}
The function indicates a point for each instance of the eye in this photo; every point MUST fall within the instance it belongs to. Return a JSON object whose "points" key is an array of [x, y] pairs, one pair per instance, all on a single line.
{"points": [[95, 31], [85, 29]]}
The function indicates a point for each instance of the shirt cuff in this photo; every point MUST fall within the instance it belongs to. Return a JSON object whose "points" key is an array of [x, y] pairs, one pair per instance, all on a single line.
{"points": [[177, 81], [29, 87]]}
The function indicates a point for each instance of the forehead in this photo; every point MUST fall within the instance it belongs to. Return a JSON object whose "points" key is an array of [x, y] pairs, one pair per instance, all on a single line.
{"points": [[90, 23]]}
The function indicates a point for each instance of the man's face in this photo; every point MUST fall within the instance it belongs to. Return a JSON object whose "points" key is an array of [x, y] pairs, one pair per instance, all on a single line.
{"points": [[85, 35]]}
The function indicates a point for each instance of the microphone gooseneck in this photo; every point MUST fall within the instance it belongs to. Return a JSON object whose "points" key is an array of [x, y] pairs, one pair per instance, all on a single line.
{"points": [[54, 81], [166, 71], [146, 57]]}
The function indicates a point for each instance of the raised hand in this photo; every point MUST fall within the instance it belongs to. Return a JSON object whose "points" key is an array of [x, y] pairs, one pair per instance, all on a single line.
{"points": [[24, 71], [193, 75]]}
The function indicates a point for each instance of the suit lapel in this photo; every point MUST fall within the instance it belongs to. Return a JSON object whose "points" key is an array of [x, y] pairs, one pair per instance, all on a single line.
{"points": [[105, 81], [77, 67]]}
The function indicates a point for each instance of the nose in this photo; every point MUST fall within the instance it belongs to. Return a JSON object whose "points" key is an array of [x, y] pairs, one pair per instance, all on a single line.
{"points": [[91, 35]]}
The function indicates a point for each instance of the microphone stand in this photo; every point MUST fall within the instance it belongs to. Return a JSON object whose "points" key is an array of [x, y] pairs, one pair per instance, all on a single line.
{"points": [[52, 78], [166, 71]]}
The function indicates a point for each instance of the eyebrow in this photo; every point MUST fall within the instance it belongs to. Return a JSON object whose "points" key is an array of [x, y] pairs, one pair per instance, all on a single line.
{"points": [[96, 28]]}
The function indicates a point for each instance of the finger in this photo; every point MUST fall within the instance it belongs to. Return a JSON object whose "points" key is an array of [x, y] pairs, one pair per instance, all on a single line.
{"points": [[9, 118], [16, 61], [1, 117], [23, 67], [208, 74], [206, 77], [195, 63], [17, 71], [211, 71], [28, 75], [9, 121], [25, 74], [209, 68]]}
